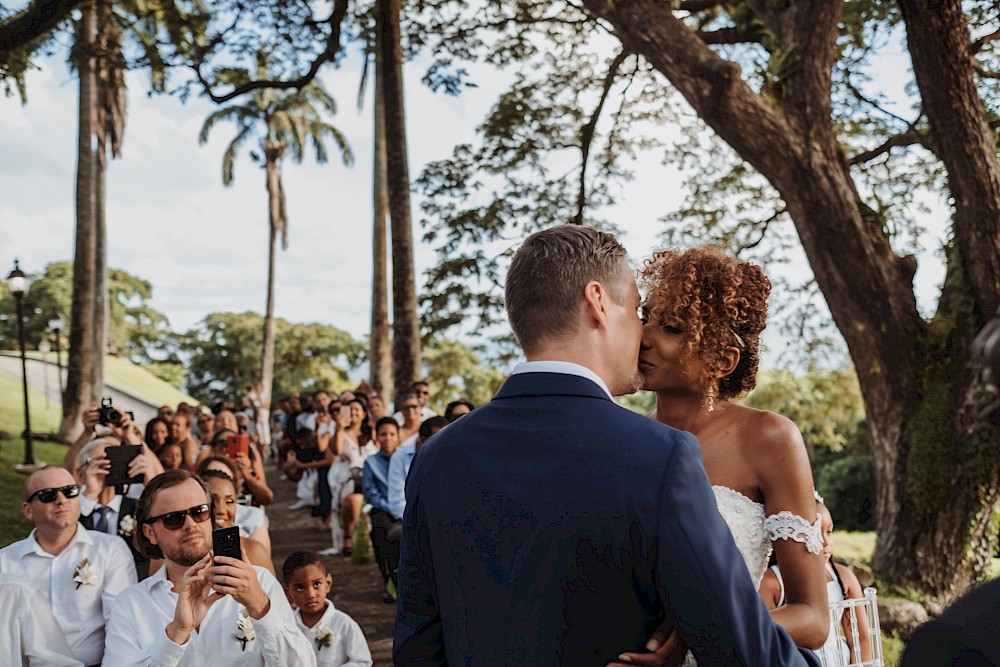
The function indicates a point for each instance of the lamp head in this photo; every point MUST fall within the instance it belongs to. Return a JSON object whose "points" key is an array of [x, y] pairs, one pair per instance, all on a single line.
{"points": [[17, 281], [56, 321]]}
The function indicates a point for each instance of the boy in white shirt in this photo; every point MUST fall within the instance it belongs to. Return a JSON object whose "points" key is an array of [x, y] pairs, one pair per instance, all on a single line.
{"points": [[335, 636]]}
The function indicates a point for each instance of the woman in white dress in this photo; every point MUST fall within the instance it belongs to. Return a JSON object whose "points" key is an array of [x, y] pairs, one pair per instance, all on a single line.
{"points": [[704, 312], [351, 443]]}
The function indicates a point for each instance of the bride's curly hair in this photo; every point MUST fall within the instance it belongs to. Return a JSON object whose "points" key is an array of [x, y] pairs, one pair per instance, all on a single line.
{"points": [[717, 301]]}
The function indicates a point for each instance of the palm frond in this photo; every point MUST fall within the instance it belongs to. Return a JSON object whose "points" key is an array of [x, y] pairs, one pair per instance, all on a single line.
{"points": [[229, 157]]}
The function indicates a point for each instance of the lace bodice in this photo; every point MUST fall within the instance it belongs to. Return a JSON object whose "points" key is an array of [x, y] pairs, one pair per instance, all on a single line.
{"points": [[745, 519]]}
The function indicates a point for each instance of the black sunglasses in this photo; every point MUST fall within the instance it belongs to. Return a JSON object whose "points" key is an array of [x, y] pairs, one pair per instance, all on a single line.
{"points": [[49, 495], [175, 520]]}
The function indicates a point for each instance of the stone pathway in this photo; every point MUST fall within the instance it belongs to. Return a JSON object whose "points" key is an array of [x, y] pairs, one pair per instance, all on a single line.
{"points": [[357, 589]]}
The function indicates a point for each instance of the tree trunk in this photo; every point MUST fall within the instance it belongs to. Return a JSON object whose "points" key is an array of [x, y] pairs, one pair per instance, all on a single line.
{"points": [[936, 473], [100, 329], [274, 195], [79, 370], [380, 354], [405, 326]]}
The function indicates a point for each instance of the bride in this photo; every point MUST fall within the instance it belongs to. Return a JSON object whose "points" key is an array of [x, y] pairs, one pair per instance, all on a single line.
{"points": [[703, 314]]}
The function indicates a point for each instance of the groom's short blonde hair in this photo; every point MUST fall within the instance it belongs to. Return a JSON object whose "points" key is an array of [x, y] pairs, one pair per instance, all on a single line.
{"points": [[548, 274]]}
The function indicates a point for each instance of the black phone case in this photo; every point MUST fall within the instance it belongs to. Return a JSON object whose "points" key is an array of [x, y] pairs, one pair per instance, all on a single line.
{"points": [[226, 542], [120, 457]]}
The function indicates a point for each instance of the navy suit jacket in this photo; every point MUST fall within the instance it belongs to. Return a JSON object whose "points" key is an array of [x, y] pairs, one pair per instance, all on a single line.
{"points": [[967, 634], [553, 527]]}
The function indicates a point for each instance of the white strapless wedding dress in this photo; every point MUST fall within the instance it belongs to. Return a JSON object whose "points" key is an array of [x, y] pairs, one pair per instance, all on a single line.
{"points": [[754, 531], [748, 525]]}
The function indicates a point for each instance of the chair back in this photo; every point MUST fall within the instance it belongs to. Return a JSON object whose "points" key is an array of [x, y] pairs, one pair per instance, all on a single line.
{"points": [[855, 639]]}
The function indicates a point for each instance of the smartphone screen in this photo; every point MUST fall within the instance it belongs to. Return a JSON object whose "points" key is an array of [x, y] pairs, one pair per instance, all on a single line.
{"points": [[120, 457], [226, 542]]}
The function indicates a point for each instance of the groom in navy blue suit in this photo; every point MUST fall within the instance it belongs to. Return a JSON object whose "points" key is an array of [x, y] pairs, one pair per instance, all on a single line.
{"points": [[552, 527]]}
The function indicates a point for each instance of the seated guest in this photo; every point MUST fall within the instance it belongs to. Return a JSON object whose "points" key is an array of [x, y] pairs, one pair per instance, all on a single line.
{"points": [[29, 634], [180, 432], [408, 417], [225, 420], [254, 490], [399, 465], [456, 409], [171, 456], [77, 570], [157, 433], [335, 636], [102, 508], [240, 612], [224, 516], [206, 427], [421, 393], [252, 521], [375, 486]]}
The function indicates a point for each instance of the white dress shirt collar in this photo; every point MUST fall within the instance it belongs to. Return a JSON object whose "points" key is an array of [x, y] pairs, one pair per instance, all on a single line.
{"points": [[563, 367], [31, 545]]}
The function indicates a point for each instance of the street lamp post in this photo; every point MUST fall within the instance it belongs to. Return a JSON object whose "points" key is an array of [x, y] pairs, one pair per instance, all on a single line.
{"points": [[56, 323], [19, 284]]}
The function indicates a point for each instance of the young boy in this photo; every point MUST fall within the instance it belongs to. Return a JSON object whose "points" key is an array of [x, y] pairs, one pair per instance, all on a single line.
{"points": [[386, 529], [335, 636]]}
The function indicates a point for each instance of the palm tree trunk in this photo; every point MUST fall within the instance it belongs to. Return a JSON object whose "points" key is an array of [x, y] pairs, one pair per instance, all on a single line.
{"points": [[79, 376], [275, 208], [405, 327], [99, 343], [380, 353]]}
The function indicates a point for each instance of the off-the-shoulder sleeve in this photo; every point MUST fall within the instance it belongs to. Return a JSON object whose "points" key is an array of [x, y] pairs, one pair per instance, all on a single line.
{"points": [[788, 526]]}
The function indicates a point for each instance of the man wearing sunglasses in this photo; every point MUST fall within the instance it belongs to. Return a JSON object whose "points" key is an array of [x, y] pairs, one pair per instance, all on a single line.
{"points": [[198, 609], [80, 572]]}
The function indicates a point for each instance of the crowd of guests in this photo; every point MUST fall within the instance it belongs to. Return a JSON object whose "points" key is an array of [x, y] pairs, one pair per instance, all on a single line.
{"points": [[120, 567]]}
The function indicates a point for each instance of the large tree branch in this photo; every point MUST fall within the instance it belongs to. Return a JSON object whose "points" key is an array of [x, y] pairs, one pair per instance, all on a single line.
{"points": [[332, 48], [750, 34], [36, 20], [587, 134]]}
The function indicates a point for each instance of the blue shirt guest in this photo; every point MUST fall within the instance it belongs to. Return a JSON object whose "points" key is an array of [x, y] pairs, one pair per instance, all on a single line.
{"points": [[399, 464], [375, 487]]}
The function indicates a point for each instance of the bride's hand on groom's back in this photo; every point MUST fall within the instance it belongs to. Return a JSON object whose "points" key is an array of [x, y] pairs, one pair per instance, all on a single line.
{"points": [[664, 652]]}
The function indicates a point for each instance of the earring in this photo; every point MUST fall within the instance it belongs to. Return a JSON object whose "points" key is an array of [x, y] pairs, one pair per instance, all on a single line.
{"points": [[711, 400]]}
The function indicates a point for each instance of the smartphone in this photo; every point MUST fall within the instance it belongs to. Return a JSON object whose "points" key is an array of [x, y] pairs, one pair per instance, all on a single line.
{"points": [[226, 542], [120, 457], [237, 444]]}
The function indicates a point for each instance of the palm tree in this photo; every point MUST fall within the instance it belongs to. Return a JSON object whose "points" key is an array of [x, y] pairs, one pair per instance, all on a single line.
{"points": [[380, 350], [405, 326], [280, 122]]}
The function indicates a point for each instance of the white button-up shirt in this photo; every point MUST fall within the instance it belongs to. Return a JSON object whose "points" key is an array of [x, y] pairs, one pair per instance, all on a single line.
{"points": [[30, 634], [81, 611], [347, 645], [137, 634]]}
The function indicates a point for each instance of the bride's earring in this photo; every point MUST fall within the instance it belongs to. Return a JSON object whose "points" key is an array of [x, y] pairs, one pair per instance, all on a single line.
{"points": [[711, 400]]}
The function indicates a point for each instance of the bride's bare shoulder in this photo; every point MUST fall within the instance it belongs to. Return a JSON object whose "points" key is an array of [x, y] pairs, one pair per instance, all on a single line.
{"points": [[766, 431]]}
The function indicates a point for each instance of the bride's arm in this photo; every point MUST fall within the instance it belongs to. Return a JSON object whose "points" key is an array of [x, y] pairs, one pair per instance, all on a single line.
{"points": [[786, 484]]}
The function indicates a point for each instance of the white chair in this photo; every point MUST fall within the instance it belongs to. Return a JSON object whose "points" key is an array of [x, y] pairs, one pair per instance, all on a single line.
{"points": [[856, 640]]}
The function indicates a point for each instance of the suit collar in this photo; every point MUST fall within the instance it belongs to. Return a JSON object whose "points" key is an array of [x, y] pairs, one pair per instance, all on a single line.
{"points": [[550, 384]]}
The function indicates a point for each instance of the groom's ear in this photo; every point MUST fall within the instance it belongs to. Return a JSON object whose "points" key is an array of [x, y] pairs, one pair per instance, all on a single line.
{"points": [[595, 297]]}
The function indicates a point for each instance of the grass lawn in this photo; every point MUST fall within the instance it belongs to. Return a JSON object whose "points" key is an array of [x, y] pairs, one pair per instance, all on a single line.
{"points": [[13, 525]]}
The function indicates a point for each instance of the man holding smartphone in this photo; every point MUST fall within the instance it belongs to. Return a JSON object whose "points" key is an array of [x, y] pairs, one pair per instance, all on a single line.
{"points": [[154, 622]]}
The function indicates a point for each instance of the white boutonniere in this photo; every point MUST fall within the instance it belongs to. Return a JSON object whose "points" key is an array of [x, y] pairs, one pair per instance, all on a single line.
{"points": [[324, 639], [126, 525], [244, 629], [84, 574]]}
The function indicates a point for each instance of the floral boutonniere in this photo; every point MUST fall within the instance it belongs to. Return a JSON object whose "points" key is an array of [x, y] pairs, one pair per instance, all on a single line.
{"points": [[84, 574], [244, 629], [324, 639], [126, 525]]}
